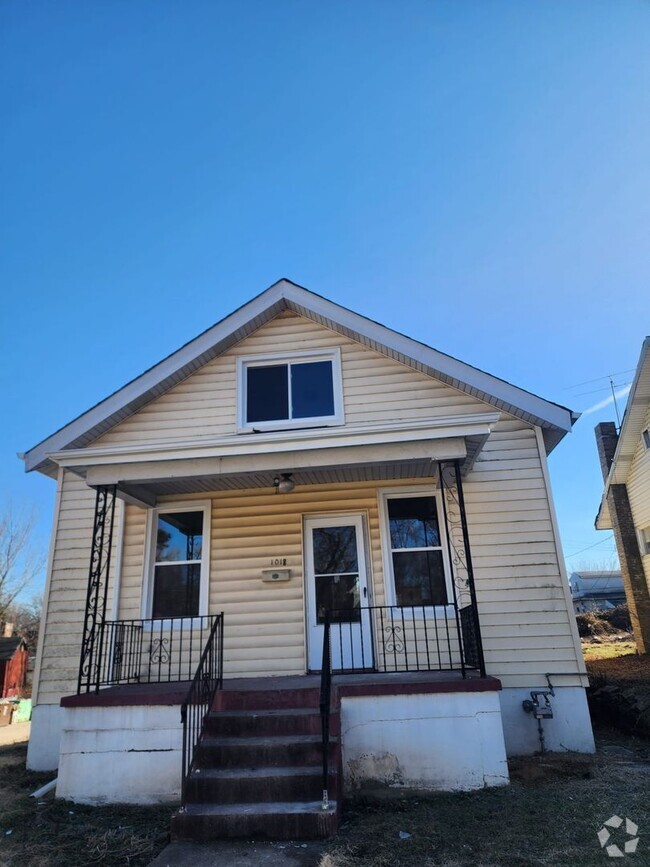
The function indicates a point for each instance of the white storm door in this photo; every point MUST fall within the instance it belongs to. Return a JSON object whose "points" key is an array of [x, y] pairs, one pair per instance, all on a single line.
{"points": [[336, 581]]}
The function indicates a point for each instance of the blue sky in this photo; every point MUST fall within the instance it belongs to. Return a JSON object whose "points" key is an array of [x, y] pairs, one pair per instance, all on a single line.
{"points": [[474, 174]]}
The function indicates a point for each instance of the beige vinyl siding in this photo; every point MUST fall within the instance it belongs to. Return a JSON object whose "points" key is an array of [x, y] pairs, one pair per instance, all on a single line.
{"points": [[638, 490], [525, 622], [66, 603], [524, 617], [375, 388]]}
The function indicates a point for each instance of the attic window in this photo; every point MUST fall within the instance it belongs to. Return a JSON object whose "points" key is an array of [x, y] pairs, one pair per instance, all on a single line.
{"points": [[299, 390]]}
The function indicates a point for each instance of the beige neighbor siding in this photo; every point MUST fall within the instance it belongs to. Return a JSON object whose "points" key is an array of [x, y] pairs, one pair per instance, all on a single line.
{"points": [[375, 388], [67, 591], [638, 489]]}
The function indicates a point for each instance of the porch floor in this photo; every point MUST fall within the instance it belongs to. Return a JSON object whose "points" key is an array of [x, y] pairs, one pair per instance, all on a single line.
{"points": [[366, 683]]}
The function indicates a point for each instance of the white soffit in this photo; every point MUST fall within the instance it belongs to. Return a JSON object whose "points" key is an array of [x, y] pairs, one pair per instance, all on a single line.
{"points": [[555, 420]]}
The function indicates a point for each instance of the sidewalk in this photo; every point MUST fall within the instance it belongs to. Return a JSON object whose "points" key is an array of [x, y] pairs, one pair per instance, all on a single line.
{"points": [[17, 733]]}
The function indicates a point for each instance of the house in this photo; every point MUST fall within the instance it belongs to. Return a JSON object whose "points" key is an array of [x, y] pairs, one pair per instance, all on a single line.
{"points": [[14, 658], [625, 505], [333, 546], [596, 591]]}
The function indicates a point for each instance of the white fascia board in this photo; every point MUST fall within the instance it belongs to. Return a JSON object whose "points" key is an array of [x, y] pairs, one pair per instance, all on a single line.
{"points": [[636, 410], [554, 414], [478, 424], [142, 384], [484, 385]]}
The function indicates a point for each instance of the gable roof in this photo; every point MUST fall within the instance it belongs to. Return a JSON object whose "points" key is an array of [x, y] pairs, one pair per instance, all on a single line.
{"points": [[632, 426], [555, 420]]}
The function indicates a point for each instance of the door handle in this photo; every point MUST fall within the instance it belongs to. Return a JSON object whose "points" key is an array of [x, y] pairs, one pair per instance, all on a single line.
{"points": [[365, 592]]}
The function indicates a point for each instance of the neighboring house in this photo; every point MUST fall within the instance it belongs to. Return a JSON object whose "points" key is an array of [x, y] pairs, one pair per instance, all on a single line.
{"points": [[322, 481], [625, 506], [596, 591], [14, 658]]}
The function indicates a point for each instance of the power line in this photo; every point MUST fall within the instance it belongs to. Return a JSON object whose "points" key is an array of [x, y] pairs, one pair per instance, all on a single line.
{"points": [[602, 388], [608, 539], [598, 379]]}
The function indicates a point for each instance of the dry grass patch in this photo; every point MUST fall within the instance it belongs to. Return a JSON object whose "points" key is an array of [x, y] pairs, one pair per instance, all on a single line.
{"points": [[549, 815], [53, 833]]}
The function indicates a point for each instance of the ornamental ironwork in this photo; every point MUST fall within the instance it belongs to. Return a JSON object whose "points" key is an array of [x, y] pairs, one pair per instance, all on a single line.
{"points": [[90, 664]]}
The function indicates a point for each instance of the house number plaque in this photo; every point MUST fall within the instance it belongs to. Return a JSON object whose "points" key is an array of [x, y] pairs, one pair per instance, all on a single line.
{"points": [[278, 561]]}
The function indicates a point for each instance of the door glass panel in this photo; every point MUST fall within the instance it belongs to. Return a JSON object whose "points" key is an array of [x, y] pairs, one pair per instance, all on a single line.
{"points": [[176, 590], [180, 536], [335, 550], [338, 594]]}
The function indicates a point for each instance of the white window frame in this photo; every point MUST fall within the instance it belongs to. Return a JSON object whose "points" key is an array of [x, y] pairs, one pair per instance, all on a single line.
{"points": [[387, 551], [243, 363], [204, 506]]}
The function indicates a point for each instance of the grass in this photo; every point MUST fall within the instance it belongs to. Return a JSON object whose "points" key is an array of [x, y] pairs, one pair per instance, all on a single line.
{"points": [[549, 815], [54, 833]]}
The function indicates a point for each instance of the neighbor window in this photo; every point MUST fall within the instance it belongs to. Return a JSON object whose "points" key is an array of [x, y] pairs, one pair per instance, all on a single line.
{"points": [[179, 562], [300, 391], [416, 550], [644, 541], [646, 438]]}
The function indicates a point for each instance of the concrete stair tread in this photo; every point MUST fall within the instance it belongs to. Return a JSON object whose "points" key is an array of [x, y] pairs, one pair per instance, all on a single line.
{"points": [[256, 772], [278, 711], [265, 808], [263, 740]]}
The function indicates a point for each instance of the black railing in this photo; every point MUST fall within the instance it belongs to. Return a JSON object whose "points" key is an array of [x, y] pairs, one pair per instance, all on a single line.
{"points": [[207, 679], [325, 698], [147, 651], [402, 638]]}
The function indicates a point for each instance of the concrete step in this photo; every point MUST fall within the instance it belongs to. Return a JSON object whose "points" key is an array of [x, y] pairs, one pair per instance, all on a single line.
{"points": [[244, 785], [264, 751], [266, 699], [240, 723], [276, 820]]}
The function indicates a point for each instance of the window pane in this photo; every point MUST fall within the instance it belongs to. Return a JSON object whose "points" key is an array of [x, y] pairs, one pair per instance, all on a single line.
{"points": [[180, 536], [176, 590], [339, 594], [413, 522], [335, 550], [312, 390], [419, 578], [267, 393]]}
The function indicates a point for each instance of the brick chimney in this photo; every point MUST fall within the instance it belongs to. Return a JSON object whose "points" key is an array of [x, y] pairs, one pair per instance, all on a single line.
{"points": [[606, 440]]}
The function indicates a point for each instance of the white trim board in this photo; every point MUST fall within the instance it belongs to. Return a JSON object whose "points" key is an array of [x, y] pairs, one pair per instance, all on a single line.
{"points": [[556, 420]]}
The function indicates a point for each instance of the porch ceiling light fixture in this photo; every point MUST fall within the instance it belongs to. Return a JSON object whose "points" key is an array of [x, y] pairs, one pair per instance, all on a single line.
{"points": [[283, 483]]}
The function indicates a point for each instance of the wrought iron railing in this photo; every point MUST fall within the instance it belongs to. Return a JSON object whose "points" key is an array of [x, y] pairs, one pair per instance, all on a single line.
{"points": [[325, 698], [207, 679], [403, 638], [146, 651]]}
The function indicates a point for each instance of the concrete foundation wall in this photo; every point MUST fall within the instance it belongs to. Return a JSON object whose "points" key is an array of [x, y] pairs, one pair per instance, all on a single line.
{"points": [[44, 738], [570, 728], [121, 755], [442, 741]]}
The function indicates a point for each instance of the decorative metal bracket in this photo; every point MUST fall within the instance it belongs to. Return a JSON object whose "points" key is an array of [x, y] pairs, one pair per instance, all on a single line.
{"points": [[90, 663]]}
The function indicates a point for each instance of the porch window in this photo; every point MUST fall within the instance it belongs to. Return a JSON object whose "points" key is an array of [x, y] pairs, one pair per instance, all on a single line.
{"points": [[416, 551], [179, 562], [303, 390]]}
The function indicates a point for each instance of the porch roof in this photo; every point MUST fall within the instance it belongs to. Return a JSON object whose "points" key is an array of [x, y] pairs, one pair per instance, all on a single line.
{"points": [[357, 453], [555, 420]]}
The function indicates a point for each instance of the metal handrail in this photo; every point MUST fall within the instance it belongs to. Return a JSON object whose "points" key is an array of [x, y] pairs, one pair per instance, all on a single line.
{"points": [[208, 678], [325, 693]]}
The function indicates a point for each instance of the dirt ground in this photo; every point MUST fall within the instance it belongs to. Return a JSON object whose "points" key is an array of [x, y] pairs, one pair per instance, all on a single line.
{"points": [[549, 815]]}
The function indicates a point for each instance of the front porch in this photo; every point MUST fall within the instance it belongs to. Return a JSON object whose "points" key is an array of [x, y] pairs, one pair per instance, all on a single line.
{"points": [[258, 769]]}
